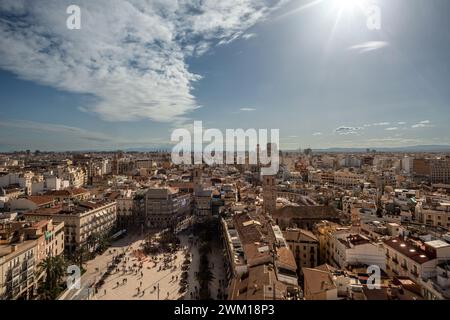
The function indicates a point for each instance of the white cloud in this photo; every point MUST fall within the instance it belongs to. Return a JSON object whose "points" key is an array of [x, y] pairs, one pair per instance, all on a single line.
{"points": [[248, 36], [369, 46], [347, 130], [376, 124], [317, 134], [129, 55], [423, 124], [401, 123], [247, 109], [391, 129]]}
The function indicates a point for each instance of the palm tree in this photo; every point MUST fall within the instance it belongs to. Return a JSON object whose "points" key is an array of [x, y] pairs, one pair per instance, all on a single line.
{"points": [[79, 255], [204, 278], [54, 268], [92, 241]]}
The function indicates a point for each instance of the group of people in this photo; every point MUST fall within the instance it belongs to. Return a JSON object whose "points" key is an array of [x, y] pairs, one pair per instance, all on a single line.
{"points": [[131, 262]]}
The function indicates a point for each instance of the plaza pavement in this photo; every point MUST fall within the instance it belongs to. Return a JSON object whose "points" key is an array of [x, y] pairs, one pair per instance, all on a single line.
{"points": [[116, 288]]}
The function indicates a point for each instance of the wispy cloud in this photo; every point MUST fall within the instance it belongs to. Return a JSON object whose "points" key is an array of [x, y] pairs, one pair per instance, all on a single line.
{"points": [[248, 36], [369, 46], [73, 132], [130, 55], [317, 134], [423, 124], [247, 109], [347, 130], [377, 124], [401, 123], [391, 129]]}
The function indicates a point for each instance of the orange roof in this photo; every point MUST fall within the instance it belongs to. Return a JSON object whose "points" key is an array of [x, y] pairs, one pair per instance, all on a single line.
{"points": [[40, 200], [77, 191]]}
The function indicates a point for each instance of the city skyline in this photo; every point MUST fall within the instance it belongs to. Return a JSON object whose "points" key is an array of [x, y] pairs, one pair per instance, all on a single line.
{"points": [[138, 70]]}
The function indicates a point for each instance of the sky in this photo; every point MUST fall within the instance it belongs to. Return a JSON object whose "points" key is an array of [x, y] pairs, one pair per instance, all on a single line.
{"points": [[137, 70]]}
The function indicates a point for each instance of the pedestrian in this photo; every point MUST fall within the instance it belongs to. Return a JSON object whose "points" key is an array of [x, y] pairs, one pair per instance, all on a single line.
{"points": [[105, 292], [140, 284]]}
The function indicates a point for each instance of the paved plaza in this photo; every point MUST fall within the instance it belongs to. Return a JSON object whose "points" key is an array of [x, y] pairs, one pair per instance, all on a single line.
{"points": [[146, 277]]}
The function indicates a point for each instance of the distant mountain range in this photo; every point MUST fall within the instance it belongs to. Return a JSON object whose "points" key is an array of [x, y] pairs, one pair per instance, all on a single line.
{"points": [[419, 148], [408, 149]]}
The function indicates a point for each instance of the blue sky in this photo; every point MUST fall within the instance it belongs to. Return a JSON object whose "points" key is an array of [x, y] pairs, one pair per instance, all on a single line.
{"points": [[139, 69]]}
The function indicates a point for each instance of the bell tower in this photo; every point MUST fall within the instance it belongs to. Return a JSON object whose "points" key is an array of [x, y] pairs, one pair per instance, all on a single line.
{"points": [[269, 195]]}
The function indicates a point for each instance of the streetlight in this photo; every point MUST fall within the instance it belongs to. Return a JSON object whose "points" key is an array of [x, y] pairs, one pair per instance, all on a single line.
{"points": [[157, 291]]}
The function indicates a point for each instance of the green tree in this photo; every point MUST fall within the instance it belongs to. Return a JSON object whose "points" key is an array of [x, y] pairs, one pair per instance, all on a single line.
{"points": [[55, 269]]}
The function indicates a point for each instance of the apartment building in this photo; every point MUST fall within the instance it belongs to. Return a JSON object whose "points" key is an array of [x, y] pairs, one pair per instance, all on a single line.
{"points": [[424, 262], [305, 247], [203, 203], [347, 249], [31, 203], [80, 221], [166, 207], [252, 243], [348, 178], [436, 215], [23, 245], [321, 231], [24, 180], [69, 195], [440, 171], [125, 208]]}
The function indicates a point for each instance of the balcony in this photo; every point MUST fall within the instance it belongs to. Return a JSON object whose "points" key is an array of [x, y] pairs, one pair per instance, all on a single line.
{"points": [[14, 271], [30, 262]]}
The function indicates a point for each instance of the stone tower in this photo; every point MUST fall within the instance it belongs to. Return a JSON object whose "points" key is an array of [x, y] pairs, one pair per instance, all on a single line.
{"points": [[197, 177], [269, 195], [355, 218]]}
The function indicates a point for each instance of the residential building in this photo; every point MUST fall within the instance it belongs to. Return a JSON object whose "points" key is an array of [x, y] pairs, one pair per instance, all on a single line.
{"points": [[80, 221], [305, 247]]}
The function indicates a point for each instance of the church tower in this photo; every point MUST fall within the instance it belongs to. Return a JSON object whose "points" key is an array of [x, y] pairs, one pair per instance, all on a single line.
{"points": [[197, 177], [269, 195]]}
